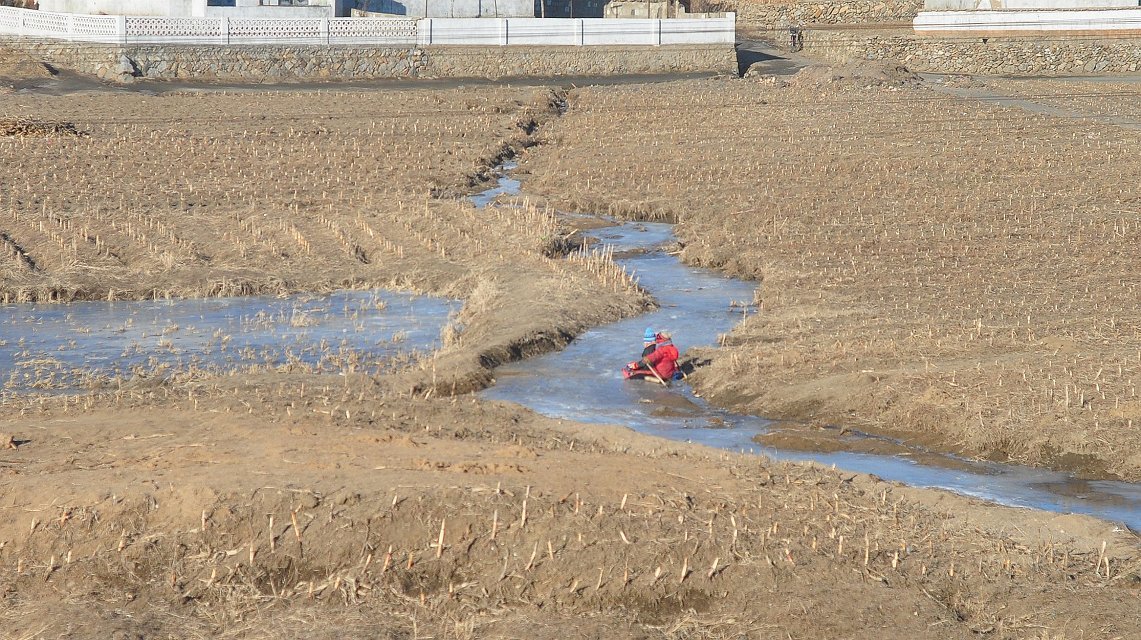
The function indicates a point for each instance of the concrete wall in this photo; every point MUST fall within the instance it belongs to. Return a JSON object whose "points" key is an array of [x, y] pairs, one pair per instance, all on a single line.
{"points": [[121, 7], [997, 56], [589, 32], [138, 30], [975, 5], [782, 13], [309, 63], [451, 8], [638, 9], [1072, 21]]}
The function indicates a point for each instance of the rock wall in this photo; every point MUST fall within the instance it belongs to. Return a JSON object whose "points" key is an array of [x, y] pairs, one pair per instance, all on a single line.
{"points": [[778, 14], [306, 63], [995, 56], [500, 62]]}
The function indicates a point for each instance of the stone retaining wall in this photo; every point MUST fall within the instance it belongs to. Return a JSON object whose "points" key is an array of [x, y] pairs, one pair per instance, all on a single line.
{"points": [[305, 63], [996, 56], [500, 62], [779, 14]]}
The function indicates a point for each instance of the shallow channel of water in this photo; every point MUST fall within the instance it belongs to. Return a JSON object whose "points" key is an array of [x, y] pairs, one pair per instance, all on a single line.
{"points": [[62, 348], [583, 383]]}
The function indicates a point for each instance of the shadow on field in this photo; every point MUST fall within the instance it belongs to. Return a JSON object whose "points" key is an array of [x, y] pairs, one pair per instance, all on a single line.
{"points": [[769, 59]]}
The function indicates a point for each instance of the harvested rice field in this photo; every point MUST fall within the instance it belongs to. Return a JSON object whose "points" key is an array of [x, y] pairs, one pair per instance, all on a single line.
{"points": [[942, 270], [929, 268]]}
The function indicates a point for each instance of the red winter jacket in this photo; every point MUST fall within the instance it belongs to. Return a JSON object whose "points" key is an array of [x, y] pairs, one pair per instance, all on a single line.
{"points": [[664, 359]]}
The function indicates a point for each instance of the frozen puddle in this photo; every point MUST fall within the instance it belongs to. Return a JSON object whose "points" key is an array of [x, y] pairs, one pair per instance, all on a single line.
{"points": [[64, 348]]}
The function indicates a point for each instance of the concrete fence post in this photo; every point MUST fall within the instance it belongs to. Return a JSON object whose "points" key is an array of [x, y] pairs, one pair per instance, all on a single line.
{"points": [[504, 33], [224, 28], [324, 30], [70, 26], [121, 29], [21, 29]]}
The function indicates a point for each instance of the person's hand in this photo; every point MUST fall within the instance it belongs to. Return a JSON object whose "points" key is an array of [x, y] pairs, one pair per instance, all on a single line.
{"points": [[632, 365]]}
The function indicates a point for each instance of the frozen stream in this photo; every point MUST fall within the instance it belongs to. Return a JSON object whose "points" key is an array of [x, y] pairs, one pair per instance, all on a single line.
{"points": [[583, 383]]}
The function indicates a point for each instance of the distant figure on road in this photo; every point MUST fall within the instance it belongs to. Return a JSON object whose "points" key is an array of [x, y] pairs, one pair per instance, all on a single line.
{"points": [[795, 38]]}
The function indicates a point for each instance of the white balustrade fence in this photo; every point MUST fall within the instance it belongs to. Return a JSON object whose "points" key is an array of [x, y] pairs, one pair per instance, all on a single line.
{"points": [[376, 31]]}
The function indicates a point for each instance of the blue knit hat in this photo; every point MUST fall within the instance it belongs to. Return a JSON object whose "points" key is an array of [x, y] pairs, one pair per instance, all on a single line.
{"points": [[649, 335]]}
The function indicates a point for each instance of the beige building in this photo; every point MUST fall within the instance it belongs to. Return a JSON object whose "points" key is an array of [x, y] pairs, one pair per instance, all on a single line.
{"points": [[655, 9]]}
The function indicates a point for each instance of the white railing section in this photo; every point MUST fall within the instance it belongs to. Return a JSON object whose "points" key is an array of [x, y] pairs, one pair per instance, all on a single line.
{"points": [[990, 21], [575, 31], [377, 31]]}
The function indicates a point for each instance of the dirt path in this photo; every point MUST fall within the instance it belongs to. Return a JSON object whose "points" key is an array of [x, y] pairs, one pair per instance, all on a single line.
{"points": [[993, 94]]}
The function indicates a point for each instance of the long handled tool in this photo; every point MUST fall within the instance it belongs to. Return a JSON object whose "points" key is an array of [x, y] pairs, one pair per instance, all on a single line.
{"points": [[655, 372]]}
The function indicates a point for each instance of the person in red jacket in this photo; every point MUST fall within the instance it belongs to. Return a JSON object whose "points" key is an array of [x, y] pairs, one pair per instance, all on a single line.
{"points": [[663, 359]]}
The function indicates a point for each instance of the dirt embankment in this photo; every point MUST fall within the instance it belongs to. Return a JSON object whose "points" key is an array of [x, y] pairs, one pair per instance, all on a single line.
{"points": [[954, 273], [17, 67]]}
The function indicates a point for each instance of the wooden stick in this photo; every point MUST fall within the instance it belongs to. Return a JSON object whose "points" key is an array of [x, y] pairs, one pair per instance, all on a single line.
{"points": [[531, 562], [713, 569], [440, 540], [655, 372]]}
